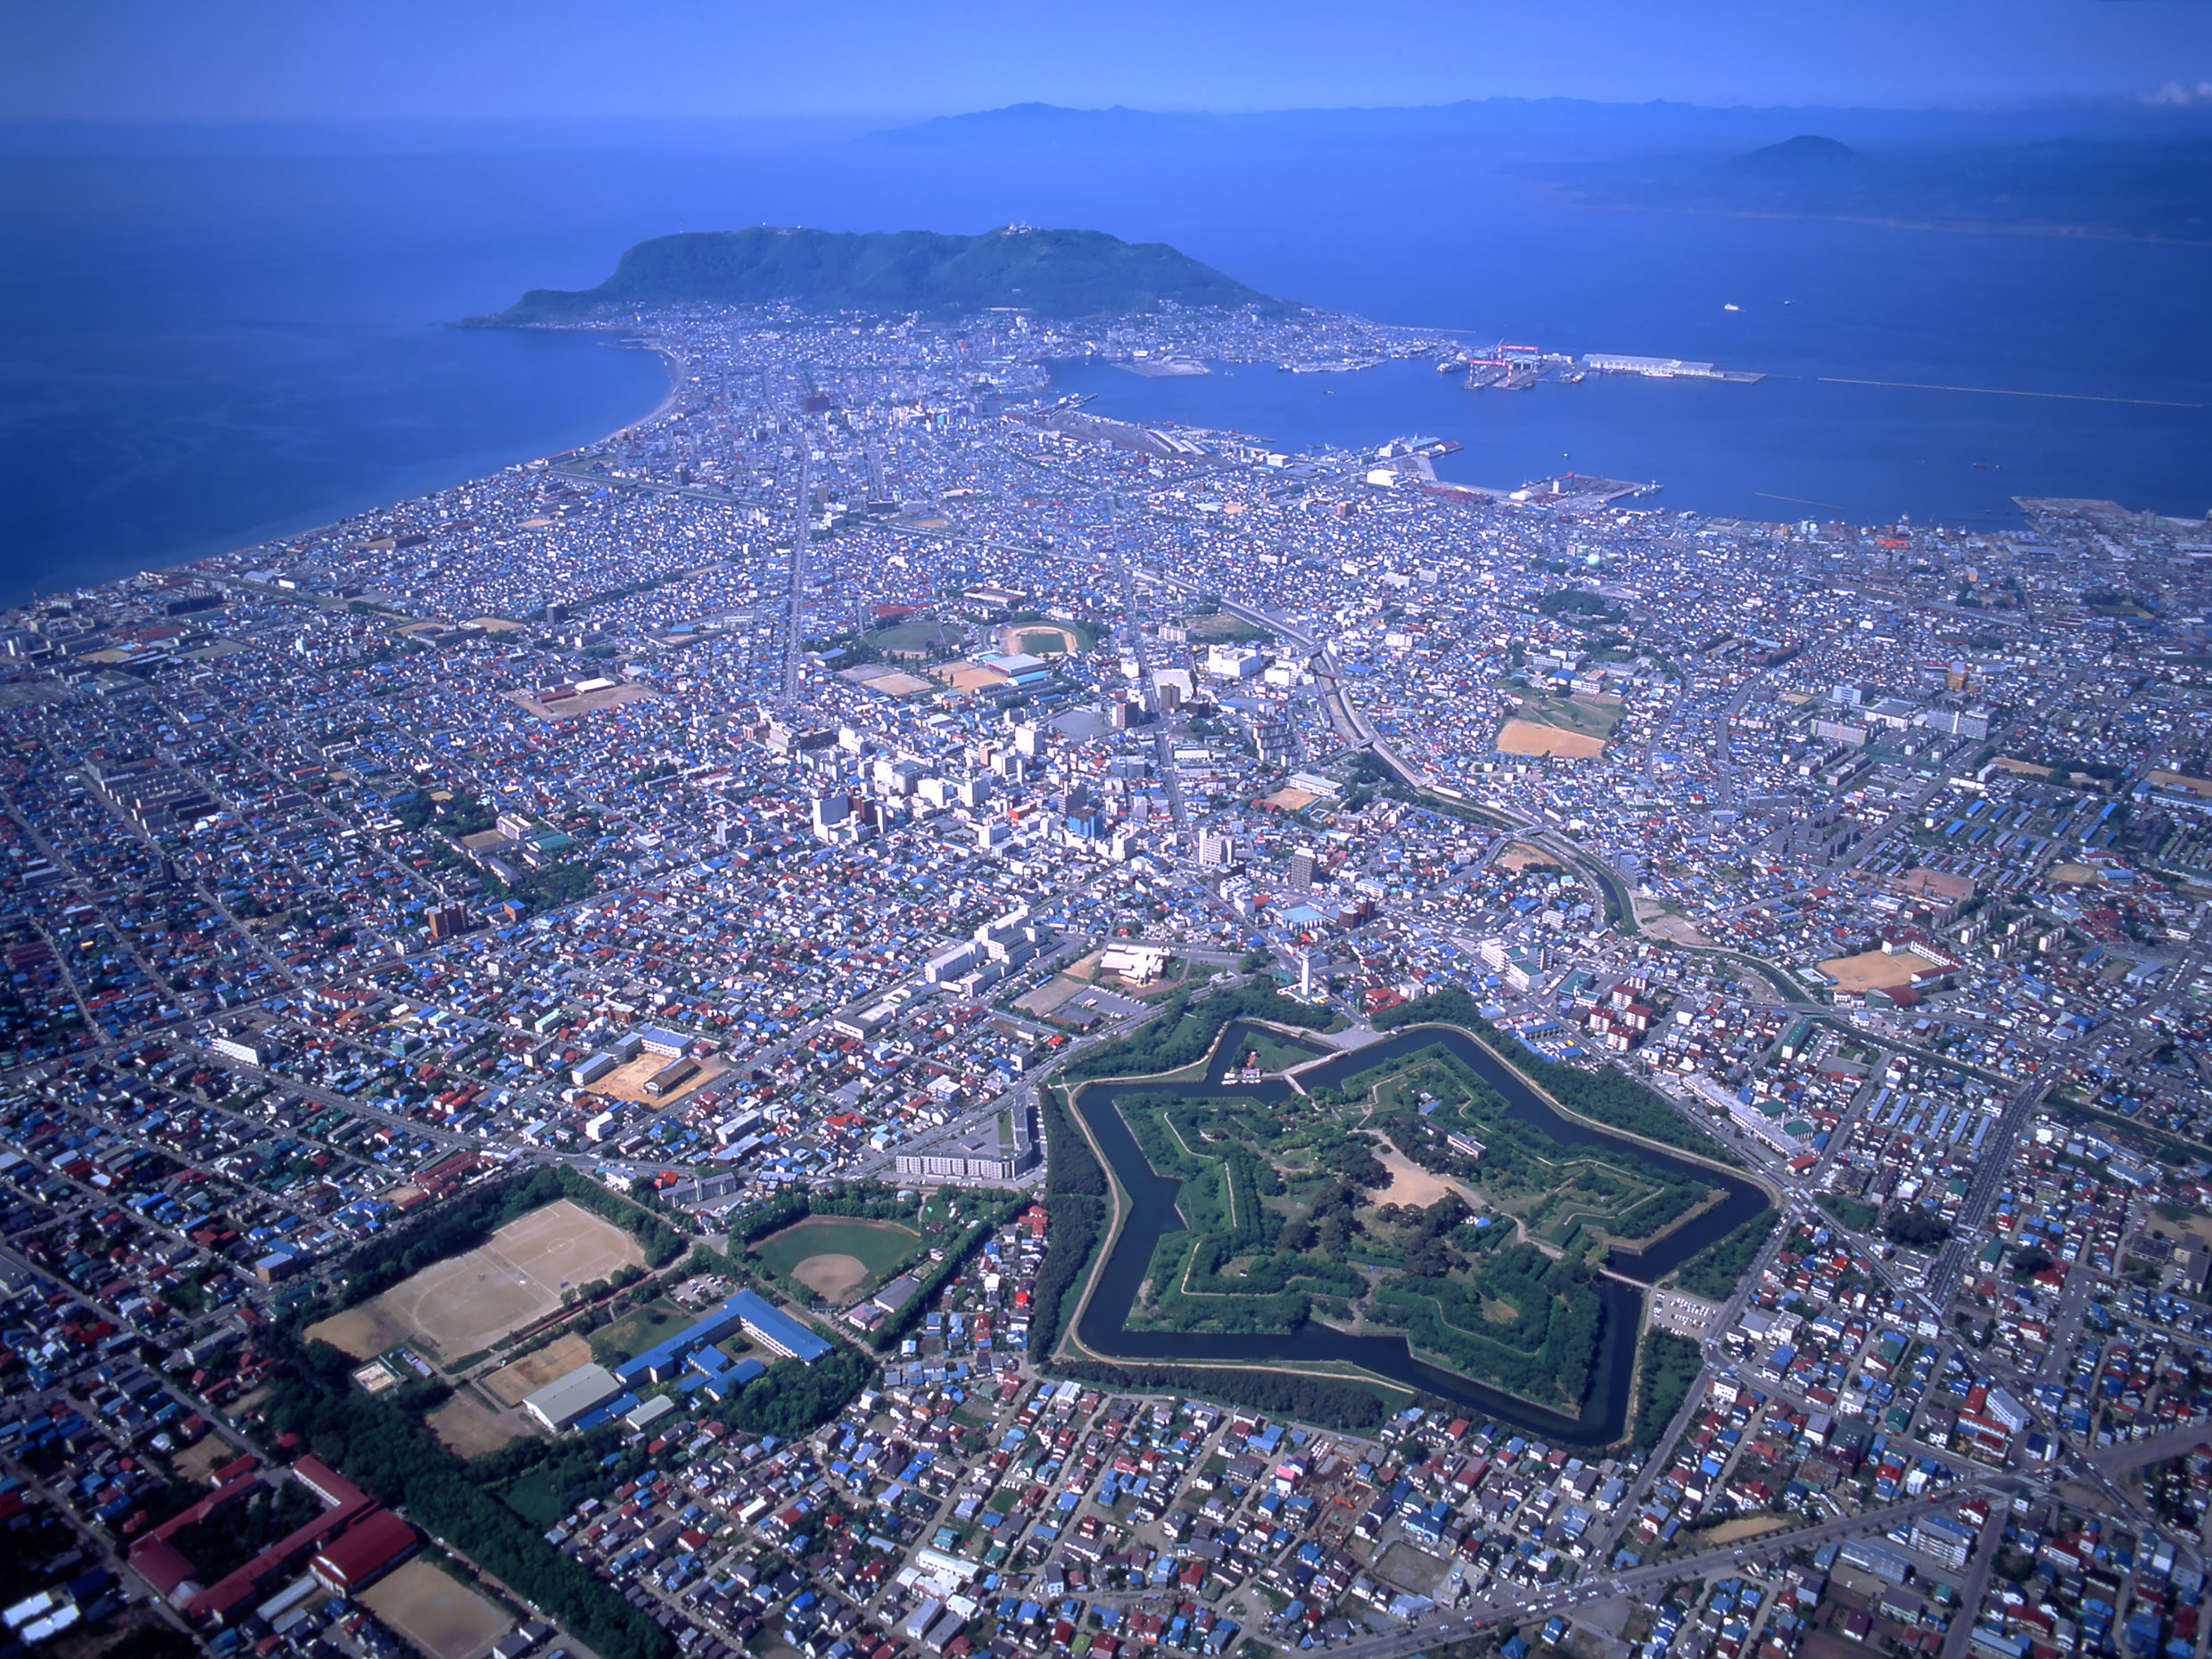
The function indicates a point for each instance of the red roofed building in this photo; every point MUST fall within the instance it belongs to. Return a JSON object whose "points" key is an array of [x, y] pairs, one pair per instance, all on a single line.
{"points": [[166, 1571], [346, 1500], [328, 1484], [232, 1485], [364, 1552]]}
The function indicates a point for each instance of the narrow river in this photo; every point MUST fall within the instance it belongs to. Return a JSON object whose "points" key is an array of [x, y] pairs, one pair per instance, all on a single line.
{"points": [[1104, 1327]]}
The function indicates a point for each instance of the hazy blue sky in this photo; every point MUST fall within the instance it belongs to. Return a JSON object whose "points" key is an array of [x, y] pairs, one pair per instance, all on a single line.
{"points": [[199, 60]]}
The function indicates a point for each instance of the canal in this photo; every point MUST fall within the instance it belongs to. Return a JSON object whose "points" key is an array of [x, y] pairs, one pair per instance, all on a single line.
{"points": [[1104, 1329]]}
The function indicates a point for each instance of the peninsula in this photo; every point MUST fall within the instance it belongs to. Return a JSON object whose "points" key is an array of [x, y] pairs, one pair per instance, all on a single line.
{"points": [[1055, 273], [886, 1010]]}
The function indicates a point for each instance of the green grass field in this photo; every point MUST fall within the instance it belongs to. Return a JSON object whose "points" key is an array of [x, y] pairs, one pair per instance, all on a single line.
{"points": [[1584, 714], [1223, 625], [921, 634], [1276, 1053], [882, 1247], [641, 1328]]}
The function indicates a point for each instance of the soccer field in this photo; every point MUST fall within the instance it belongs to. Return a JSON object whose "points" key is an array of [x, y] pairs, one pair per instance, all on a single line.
{"points": [[472, 1301]]}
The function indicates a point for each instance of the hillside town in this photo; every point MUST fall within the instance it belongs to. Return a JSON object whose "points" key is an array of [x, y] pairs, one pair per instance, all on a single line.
{"points": [[542, 1025]]}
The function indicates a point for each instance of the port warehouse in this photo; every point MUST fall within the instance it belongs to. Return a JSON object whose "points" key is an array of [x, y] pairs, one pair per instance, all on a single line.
{"points": [[1663, 367], [592, 1394]]}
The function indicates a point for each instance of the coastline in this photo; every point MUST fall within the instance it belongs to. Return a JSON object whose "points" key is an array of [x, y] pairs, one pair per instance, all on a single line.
{"points": [[672, 365]]}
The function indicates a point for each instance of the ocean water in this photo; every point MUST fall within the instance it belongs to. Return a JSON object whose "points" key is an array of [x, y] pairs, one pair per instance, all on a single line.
{"points": [[1786, 448], [202, 350]]}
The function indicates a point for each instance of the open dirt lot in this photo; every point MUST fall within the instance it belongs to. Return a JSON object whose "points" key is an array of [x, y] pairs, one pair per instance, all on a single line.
{"points": [[1873, 971], [831, 1275], [583, 703], [2074, 875], [1674, 930], [199, 1460], [517, 1382], [1521, 855], [363, 1331], [1942, 884], [2182, 780], [1411, 1569], [965, 676], [1526, 737], [627, 1082], [434, 1613], [1661, 923], [1410, 1184], [470, 1301], [472, 1428], [885, 682]]}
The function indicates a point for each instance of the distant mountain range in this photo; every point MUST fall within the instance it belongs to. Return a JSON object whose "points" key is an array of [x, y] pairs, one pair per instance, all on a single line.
{"points": [[2155, 191], [1055, 272], [1560, 127], [2119, 168]]}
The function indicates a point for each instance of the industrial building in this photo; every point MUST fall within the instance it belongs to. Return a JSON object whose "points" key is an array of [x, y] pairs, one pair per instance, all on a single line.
{"points": [[1658, 367], [564, 1399]]}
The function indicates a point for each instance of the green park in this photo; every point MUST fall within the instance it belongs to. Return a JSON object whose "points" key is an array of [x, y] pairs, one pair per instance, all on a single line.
{"points": [[1413, 1198]]}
